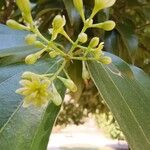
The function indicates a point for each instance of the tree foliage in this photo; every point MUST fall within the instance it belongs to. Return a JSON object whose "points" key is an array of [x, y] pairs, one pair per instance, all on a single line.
{"points": [[129, 41]]}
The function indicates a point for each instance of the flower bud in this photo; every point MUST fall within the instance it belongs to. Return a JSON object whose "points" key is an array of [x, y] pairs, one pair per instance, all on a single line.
{"points": [[53, 54], [82, 37], [94, 42], [39, 53], [56, 98], [98, 51], [88, 23], [85, 73], [30, 39], [69, 84], [31, 59], [79, 6], [58, 22], [107, 25], [27, 18], [105, 60], [15, 25], [101, 4], [100, 46], [24, 6]]}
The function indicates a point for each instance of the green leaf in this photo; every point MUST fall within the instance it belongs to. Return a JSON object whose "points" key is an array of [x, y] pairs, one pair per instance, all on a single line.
{"points": [[126, 30], [72, 13], [13, 48], [10, 38], [111, 42], [75, 72], [12, 42], [74, 17], [126, 98], [25, 128], [142, 78]]}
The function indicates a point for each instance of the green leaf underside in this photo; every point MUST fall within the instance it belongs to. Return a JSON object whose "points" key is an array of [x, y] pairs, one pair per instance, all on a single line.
{"points": [[13, 48], [11, 38], [126, 98], [23, 128]]}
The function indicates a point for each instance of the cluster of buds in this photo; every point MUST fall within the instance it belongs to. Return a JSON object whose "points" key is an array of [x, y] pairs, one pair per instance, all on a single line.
{"points": [[95, 51], [95, 48], [37, 89]]}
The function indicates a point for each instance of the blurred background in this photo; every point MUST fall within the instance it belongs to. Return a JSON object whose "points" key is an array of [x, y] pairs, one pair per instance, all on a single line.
{"points": [[85, 111]]}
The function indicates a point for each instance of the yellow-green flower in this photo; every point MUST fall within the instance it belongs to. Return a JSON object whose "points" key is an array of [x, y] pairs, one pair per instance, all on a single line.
{"points": [[35, 91]]}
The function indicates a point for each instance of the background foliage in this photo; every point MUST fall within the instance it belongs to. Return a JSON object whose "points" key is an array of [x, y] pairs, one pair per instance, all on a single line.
{"points": [[129, 40]]}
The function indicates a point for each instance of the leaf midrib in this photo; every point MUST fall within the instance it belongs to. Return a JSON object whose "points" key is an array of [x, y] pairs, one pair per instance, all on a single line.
{"points": [[140, 128], [12, 115]]}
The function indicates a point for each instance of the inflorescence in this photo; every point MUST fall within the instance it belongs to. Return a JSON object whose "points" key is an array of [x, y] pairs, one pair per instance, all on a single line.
{"points": [[37, 89]]}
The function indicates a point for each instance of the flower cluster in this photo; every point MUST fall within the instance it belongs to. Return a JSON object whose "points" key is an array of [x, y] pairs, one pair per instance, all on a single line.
{"points": [[37, 89]]}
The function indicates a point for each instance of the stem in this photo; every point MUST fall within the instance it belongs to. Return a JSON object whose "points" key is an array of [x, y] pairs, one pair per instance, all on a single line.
{"points": [[67, 75], [47, 75], [92, 15], [59, 45], [87, 51], [94, 12], [36, 31], [67, 37], [39, 53], [58, 50], [59, 70], [143, 26], [82, 58], [76, 42], [82, 47]]}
